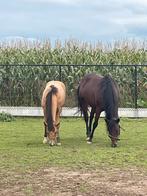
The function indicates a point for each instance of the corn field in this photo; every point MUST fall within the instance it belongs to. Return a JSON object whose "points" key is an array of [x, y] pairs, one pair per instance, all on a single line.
{"points": [[23, 85]]}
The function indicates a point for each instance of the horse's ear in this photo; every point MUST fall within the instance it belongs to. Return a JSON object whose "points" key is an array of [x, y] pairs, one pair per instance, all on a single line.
{"points": [[106, 120], [117, 120]]}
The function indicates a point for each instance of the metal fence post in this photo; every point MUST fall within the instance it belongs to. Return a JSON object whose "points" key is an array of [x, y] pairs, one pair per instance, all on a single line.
{"points": [[60, 77], [136, 88]]}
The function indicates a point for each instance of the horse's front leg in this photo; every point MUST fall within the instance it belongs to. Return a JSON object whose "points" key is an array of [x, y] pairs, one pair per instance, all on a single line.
{"points": [[58, 135]]}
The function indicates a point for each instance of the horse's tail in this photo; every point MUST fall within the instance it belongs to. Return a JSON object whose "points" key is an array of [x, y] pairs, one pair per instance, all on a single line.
{"points": [[49, 117], [79, 101]]}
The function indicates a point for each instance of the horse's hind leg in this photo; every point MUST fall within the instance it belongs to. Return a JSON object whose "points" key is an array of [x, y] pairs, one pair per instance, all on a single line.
{"points": [[94, 124], [58, 125], [45, 140], [91, 119], [85, 113]]}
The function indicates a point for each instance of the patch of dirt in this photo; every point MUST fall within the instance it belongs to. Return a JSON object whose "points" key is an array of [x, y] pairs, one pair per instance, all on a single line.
{"points": [[66, 182]]}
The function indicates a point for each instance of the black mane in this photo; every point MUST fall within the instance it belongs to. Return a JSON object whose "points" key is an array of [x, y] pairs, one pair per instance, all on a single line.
{"points": [[110, 97]]}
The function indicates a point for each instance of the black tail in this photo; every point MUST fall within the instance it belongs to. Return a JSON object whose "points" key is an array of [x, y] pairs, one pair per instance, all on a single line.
{"points": [[109, 96], [49, 107], [79, 101]]}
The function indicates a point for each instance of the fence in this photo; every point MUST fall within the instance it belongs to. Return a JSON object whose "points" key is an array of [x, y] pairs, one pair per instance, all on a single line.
{"points": [[22, 85]]}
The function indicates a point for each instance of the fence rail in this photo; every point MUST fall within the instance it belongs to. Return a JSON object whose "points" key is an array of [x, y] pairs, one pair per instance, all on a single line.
{"points": [[70, 112]]}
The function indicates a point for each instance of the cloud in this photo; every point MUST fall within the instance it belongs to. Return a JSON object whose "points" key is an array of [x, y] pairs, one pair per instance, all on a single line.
{"points": [[59, 2], [132, 20], [81, 19], [18, 38]]}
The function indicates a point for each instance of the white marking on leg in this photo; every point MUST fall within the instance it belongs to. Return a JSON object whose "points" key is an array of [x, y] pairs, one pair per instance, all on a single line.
{"points": [[88, 138], [88, 142], [45, 140]]}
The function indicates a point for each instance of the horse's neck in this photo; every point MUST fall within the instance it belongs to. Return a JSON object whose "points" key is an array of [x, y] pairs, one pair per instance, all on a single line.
{"points": [[112, 112]]}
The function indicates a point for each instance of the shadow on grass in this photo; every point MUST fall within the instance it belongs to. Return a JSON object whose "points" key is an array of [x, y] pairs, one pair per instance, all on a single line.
{"points": [[68, 142], [80, 142], [77, 141]]}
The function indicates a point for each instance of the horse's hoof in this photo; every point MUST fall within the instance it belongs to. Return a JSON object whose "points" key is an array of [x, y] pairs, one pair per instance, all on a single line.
{"points": [[58, 144], [88, 138], [89, 142], [45, 141]]}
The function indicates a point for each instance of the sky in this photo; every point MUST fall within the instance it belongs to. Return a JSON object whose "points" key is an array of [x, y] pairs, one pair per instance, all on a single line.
{"points": [[83, 20]]}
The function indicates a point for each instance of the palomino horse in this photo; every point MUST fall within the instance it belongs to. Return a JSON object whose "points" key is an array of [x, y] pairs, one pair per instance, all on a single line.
{"points": [[101, 94], [53, 99]]}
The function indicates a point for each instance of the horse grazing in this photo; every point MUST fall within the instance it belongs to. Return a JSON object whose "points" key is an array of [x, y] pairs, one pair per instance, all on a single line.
{"points": [[101, 94], [53, 99]]}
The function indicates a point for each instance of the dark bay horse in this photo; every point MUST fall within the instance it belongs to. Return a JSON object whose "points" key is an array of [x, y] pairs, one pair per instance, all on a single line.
{"points": [[53, 99], [101, 94]]}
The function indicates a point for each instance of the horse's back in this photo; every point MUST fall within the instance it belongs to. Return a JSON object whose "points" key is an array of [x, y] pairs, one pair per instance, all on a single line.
{"points": [[90, 83], [90, 89]]}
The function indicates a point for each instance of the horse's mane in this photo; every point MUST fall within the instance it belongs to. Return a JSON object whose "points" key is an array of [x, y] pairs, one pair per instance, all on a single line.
{"points": [[53, 91], [109, 96]]}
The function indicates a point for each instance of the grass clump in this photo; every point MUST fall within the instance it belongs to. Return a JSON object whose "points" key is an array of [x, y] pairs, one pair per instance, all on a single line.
{"points": [[6, 117]]}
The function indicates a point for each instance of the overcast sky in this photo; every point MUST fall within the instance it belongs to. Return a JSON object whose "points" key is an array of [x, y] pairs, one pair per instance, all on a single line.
{"points": [[85, 20]]}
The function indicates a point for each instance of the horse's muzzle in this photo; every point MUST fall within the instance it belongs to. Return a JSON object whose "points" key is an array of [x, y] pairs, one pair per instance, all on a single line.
{"points": [[113, 145], [52, 143]]}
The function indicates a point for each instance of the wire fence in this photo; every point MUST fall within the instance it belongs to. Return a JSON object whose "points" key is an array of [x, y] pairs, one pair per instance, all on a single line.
{"points": [[22, 85]]}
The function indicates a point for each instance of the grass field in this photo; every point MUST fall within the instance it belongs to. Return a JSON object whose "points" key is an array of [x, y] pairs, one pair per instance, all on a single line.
{"points": [[22, 151]]}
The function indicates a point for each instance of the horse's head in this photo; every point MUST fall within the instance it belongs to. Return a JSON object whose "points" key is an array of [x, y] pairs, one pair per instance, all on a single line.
{"points": [[51, 134], [113, 130], [52, 137]]}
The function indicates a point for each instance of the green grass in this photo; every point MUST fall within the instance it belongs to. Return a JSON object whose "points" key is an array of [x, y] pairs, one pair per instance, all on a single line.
{"points": [[21, 146]]}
